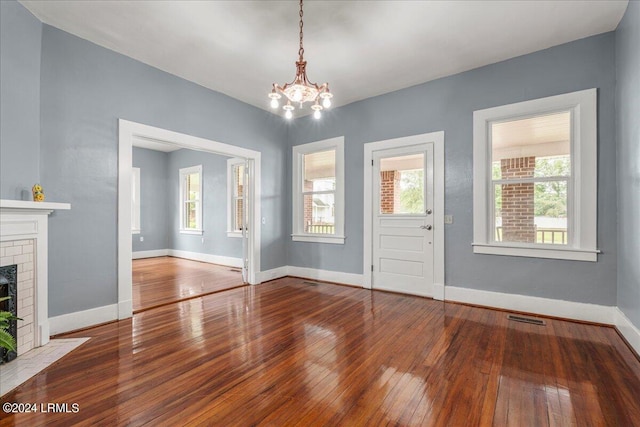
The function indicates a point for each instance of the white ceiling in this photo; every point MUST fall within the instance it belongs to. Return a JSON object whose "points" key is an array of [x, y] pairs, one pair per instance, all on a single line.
{"points": [[362, 48]]}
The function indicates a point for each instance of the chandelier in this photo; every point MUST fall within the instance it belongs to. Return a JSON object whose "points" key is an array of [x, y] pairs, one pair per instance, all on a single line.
{"points": [[301, 90]]}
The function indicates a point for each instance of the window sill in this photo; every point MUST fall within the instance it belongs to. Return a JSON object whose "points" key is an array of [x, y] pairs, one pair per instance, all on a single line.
{"points": [[535, 252], [135, 231], [198, 232], [336, 240], [236, 234]]}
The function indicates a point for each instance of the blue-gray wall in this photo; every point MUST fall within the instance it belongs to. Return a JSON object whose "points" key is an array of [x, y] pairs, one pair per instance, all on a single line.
{"points": [[62, 96], [85, 89], [154, 201], [214, 205], [20, 46], [447, 104], [628, 137]]}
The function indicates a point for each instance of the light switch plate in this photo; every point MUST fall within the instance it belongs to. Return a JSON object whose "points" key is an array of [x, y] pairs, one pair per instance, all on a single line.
{"points": [[448, 219]]}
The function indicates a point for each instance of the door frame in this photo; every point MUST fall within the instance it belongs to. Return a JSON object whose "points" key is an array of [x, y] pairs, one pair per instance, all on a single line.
{"points": [[127, 131], [437, 138]]}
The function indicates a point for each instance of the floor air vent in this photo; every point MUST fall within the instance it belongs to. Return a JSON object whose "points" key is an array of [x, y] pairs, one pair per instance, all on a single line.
{"points": [[311, 283], [236, 270], [523, 319]]}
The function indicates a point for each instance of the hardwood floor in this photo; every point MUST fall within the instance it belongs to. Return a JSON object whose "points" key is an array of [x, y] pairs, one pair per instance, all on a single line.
{"points": [[163, 280], [289, 353]]}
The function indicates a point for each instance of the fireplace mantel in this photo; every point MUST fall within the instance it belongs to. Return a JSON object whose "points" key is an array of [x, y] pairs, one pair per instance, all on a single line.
{"points": [[22, 205], [23, 221]]}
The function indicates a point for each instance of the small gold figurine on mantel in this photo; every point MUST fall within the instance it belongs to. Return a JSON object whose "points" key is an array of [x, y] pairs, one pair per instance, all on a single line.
{"points": [[38, 193]]}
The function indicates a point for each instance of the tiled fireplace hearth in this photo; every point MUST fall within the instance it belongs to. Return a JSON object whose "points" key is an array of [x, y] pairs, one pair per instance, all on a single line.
{"points": [[24, 242]]}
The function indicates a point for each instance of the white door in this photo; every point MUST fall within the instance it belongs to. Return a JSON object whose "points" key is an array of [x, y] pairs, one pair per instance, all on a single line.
{"points": [[403, 235], [247, 183]]}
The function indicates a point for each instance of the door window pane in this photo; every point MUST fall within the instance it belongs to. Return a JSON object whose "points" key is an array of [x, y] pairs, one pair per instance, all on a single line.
{"points": [[402, 185]]}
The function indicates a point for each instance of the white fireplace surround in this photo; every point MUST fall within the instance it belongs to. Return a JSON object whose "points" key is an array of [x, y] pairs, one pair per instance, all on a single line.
{"points": [[24, 220]]}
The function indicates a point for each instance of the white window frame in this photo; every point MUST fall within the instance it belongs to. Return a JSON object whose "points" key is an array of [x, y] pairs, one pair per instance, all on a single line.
{"points": [[298, 234], [135, 200], [582, 221], [183, 172], [231, 206]]}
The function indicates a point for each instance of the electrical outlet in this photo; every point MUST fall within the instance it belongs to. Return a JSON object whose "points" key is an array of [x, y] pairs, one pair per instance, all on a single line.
{"points": [[141, 239], [264, 220], [448, 219], [203, 240]]}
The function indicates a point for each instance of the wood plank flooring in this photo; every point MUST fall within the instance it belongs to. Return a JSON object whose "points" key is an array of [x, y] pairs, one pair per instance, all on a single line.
{"points": [[162, 280], [286, 353]]}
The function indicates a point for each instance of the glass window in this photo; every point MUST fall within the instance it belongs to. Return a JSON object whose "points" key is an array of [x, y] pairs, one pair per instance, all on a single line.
{"points": [[318, 198], [535, 178], [531, 169], [191, 199], [402, 185]]}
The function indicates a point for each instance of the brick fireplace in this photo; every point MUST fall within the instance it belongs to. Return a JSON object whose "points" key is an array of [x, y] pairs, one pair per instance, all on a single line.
{"points": [[24, 243]]}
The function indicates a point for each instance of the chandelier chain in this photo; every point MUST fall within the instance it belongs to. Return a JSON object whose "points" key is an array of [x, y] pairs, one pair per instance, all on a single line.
{"points": [[301, 50]]}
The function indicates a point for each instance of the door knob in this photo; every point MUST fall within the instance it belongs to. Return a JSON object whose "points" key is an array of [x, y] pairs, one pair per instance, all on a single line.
{"points": [[426, 227]]}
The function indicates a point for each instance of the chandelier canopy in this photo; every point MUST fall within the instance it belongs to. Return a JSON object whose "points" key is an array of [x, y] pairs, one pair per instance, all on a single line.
{"points": [[301, 90]]}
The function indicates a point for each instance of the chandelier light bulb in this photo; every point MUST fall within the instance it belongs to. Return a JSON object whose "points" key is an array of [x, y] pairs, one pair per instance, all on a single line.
{"points": [[317, 114], [288, 110], [274, 103], [326, 102]]}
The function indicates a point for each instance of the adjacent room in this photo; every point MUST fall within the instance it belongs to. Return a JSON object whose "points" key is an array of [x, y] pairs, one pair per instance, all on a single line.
{"points": [[351, 213]]}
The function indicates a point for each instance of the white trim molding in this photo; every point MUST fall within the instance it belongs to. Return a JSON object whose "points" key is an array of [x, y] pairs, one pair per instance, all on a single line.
{"points": [[274, 273], [627, 329], [83, 319], [325, 275], [150, 254], [437, 138], [534, 305], [582, 183], [211, 259]]}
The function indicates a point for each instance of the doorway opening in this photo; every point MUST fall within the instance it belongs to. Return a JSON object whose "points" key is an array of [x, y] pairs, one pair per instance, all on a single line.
{"points": [[196, 267]]}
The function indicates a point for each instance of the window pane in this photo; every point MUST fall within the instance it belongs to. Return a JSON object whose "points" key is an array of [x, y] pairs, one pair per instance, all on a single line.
{"points": [[190, 215], [193, 186], [319, 213], [402, 185], [531, 212], [536, 146], [319, 171], [551, 212], [238, 204], [238, 176]]}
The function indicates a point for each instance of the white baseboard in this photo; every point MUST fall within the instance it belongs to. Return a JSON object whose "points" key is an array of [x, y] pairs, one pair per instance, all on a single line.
{"points": [[628, 330], [82, 319], [125, 309], [150, 254], [534, 305], [326, 275], [272, 274], [213, 259], [194, 256]]}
